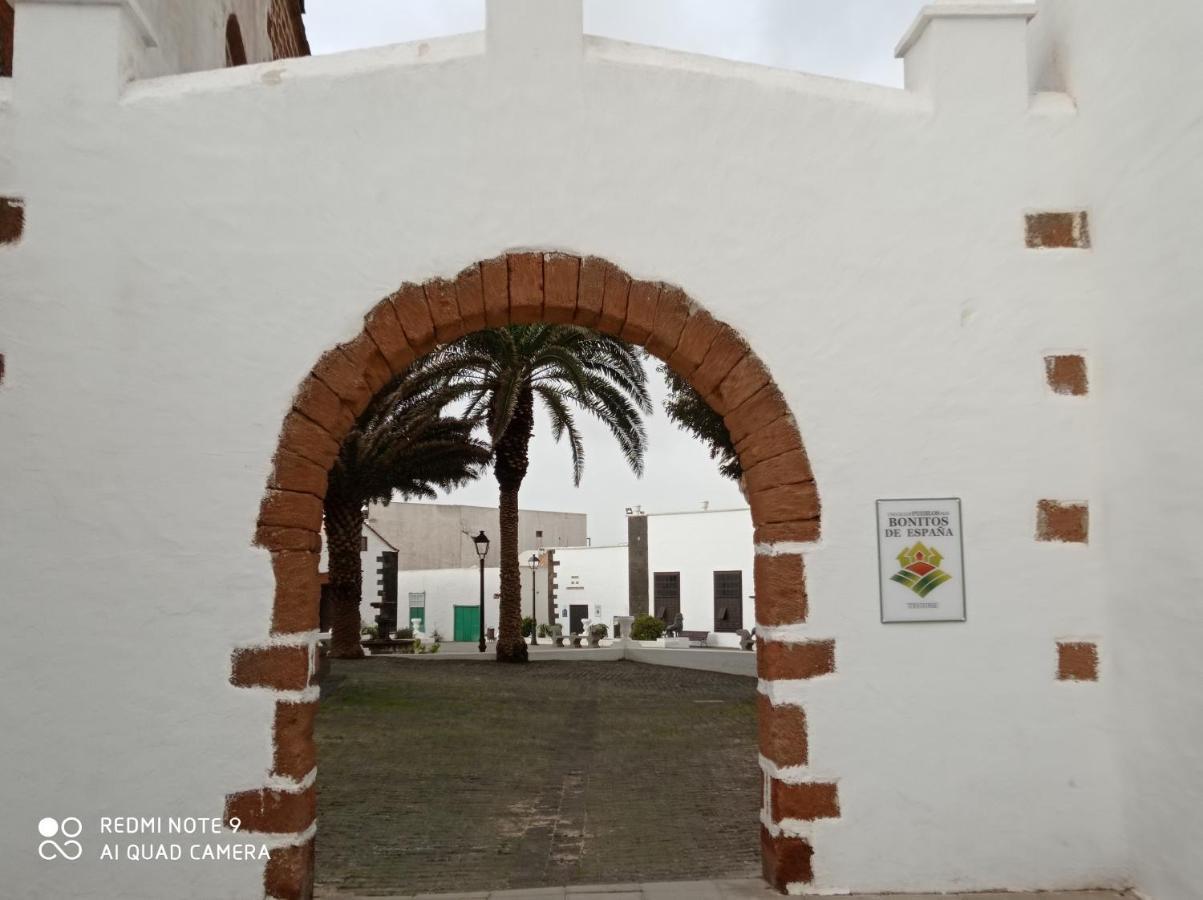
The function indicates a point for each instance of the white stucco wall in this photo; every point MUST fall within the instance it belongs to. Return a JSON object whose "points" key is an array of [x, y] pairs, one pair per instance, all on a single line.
{"points": [[193, 247], [446, 589], [698, 544], [595, 577], [1127, 71]]}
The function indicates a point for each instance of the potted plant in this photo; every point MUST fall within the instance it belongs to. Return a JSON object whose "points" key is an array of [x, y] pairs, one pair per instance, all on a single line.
{"points": [[647, 628], [528, 627], [597, 631]]}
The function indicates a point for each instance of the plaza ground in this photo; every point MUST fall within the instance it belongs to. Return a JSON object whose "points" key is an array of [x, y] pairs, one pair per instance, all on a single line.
{"points": [[444, 775]]}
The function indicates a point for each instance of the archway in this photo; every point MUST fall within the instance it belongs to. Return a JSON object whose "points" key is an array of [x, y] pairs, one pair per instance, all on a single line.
{"points": [[518, 288]]}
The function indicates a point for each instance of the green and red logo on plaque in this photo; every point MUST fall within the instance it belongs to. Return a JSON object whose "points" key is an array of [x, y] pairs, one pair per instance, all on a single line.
{"points": [[921, 570]]}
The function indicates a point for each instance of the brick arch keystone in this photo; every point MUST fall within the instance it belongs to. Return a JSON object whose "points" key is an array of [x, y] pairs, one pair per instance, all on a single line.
{"points": [[529, 287]]}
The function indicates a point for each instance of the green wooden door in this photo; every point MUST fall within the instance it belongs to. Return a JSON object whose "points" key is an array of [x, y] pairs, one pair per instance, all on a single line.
{"points": [[467, 623]]}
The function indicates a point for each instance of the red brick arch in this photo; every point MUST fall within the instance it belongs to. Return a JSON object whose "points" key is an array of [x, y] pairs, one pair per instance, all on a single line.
{"points": [[524, 288]]}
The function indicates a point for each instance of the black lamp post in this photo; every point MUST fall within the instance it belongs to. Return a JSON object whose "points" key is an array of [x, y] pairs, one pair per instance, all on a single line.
{"points": [[533, 562], [482, 548]]}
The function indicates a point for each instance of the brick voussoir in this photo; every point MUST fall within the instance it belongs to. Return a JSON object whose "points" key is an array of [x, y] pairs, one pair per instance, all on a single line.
{"points": [[744, 380], [277, 537], [386, 333], [615, 297], [641, 311], [413, 314], [291, 472], [525, 272], [318, 403], [807, 531], [765, 407], [561, 281], [727, 351], [344, 376], [767, 440], [672, 312], [308, 439], [785, 503], [591, 291], [697, 337], [790, 467], [290, 509], [377, 373], [495, 287], [270, 811], [469, 296], [444, 309]]}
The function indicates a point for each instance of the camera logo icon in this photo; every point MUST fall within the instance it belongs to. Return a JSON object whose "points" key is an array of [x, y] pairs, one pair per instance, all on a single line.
{"points": [[68, 828]]}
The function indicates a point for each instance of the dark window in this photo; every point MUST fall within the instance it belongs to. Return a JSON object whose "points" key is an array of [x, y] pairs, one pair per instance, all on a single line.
{"points": [[6, 38], [666, 595], [728, 601], [363, 543], [235, 49]]}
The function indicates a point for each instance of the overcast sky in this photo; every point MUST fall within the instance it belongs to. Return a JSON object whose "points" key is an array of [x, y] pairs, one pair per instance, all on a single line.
{"points": [[842, 38]]}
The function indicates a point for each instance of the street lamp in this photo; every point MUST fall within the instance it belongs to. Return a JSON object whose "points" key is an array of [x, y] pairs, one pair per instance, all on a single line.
{"points": [[533, 562], [482, 548]]}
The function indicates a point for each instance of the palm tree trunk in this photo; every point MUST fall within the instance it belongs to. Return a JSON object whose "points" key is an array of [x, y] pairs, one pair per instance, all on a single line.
{"points": [[510, 645], [344, 527], [510, 465]]}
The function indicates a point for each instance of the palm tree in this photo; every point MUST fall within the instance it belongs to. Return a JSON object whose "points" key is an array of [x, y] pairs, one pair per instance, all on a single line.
{"points": [[686, 407], [501, 372], [401, 444]]}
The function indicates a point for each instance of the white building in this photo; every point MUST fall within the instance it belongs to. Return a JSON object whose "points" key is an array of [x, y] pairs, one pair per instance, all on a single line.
{"points": [[438, 569], [700, 565], [984, 285]]}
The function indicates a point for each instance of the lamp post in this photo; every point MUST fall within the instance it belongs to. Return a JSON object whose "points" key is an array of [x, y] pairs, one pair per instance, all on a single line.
{"points": [[533, 562], [482, 548]]}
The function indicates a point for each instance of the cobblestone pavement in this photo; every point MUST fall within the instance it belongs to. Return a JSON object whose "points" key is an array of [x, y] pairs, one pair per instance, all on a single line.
{"points": [[729, 889], [461, 776]]}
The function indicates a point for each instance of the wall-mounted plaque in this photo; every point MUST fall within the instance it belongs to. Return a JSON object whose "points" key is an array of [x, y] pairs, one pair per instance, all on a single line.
{"points": [[920, 557]]}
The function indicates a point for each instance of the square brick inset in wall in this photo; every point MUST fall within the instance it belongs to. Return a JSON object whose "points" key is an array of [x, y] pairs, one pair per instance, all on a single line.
{"points": [[12, 220], [1058, 230], [1067, 375], [1066, 523], [1077, 661]]}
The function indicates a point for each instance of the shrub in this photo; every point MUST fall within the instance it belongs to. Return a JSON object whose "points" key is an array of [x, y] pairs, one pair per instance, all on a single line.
{"points": [[647, 628], [528, 626], [598, 630], [545, 630], [405, 634], [436, 637], [369, 631], [434, 648]]}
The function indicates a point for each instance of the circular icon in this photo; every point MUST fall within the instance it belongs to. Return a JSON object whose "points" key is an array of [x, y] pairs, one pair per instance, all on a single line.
{"points": [[48, 827], [69, 829]]}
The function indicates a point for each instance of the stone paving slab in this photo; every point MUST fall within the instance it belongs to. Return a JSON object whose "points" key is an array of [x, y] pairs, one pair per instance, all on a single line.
{"points": [[728, 889], [476, 776]]}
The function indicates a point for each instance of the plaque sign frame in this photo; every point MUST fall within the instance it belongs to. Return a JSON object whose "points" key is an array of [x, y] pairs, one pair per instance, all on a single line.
{"points": [[920, 560]]}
